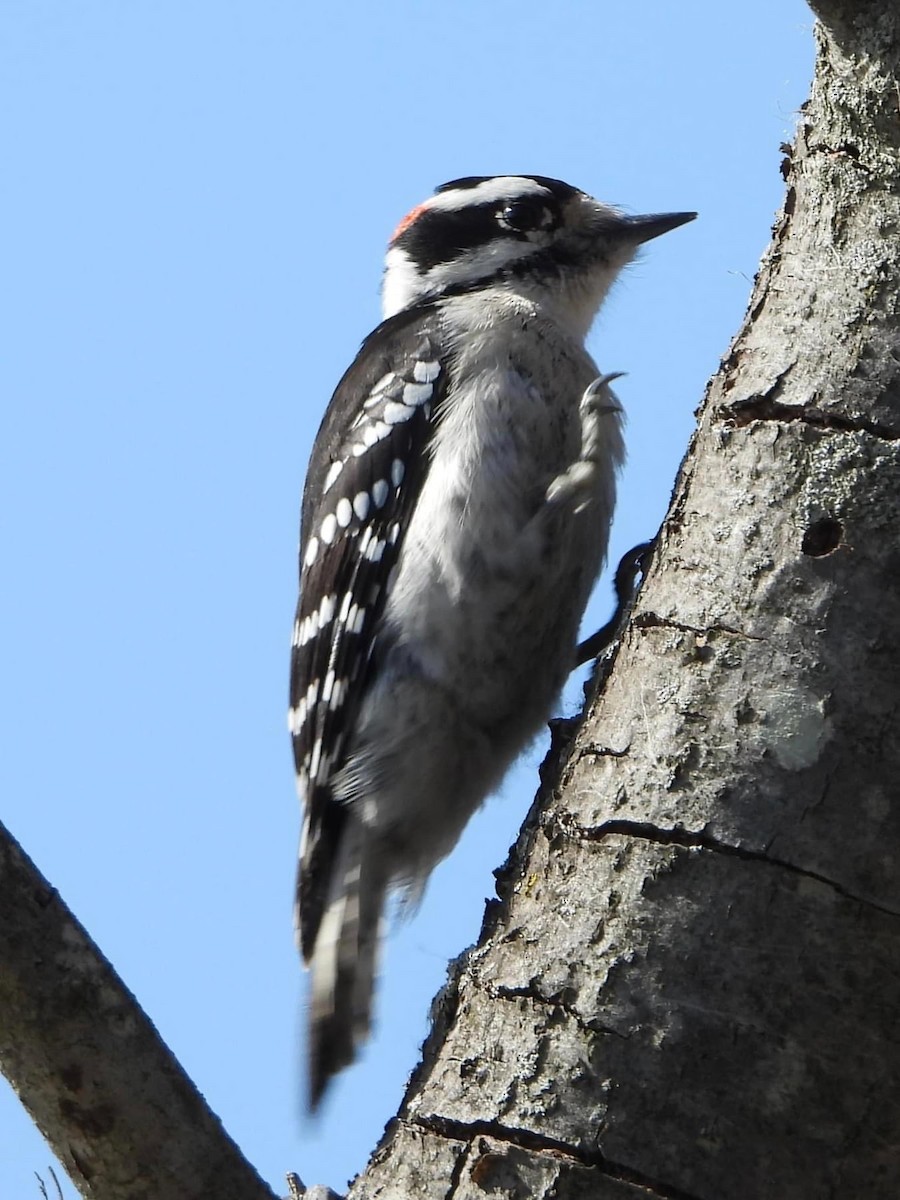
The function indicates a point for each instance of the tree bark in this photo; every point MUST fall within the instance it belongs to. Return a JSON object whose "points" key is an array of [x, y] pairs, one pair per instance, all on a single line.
{"points": [[93, 1073], [690, 985]]}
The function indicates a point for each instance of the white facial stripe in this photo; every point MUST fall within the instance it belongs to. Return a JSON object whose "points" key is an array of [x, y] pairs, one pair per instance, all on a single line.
{"points": [[480, 261], [403, 283], [500, 188]]}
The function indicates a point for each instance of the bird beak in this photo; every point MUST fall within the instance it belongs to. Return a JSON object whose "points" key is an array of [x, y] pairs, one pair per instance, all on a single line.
{"points": [[642, 229]]}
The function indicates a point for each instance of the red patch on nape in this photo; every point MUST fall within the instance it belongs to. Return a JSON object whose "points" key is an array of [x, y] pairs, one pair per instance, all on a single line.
{"points": [[411, 217]]}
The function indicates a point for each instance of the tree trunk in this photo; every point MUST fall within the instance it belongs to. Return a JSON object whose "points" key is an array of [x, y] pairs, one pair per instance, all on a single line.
{"points": [[691, 983]]}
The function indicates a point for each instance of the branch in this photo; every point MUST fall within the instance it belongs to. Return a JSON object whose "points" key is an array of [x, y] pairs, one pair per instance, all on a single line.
{"points": [[100, 1084]]}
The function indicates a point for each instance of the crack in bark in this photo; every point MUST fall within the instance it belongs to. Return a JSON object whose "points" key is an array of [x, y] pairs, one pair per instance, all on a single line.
{"points": [[539, 1143], [846, 150], [652, 620], [554, 1003], [594, 750], [456, 1174], [767, 408], [694, 840]]}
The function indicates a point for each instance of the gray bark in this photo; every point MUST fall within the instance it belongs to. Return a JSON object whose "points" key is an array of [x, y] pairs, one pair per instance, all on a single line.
{"points": [[690, 985]]}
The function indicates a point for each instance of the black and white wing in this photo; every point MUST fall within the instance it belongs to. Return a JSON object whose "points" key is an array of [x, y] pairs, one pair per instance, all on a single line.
{"points": [[365, 472]]}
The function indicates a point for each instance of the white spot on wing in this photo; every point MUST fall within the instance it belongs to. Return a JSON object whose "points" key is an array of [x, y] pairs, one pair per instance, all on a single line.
{"points": [[375, 432], [417, 393], [398, 470], [426, 372], [383, 382], [314, 758], [380, 492], [355, 618], [361, 505], [326, 610], [395, 413], [328, 529], [302, 779], [312, 549], [344, 512], [333, 471]]}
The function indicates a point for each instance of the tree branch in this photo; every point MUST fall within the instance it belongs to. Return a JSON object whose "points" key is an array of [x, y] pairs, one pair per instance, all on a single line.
{"points": [[100, 1084]]}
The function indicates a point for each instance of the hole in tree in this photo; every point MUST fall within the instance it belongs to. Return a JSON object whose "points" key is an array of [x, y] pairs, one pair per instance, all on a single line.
{"points": [[822, 537]]}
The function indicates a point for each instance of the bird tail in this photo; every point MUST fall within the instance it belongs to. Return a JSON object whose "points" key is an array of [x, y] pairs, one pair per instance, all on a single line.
{"points": [[345, 959]]}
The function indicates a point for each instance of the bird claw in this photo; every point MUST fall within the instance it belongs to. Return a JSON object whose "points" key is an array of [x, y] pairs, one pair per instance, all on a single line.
{"points": [[632, 563], [576, 485]]}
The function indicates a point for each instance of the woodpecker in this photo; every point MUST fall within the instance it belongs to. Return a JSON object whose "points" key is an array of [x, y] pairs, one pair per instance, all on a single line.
{"points": [[455, 517]]}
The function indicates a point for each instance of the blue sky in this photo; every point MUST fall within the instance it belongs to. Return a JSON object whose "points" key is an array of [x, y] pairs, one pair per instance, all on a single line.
{"points": [[196, 201]]}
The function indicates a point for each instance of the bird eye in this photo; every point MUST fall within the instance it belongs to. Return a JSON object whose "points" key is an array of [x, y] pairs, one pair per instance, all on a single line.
{"points": [[525, 215]]}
